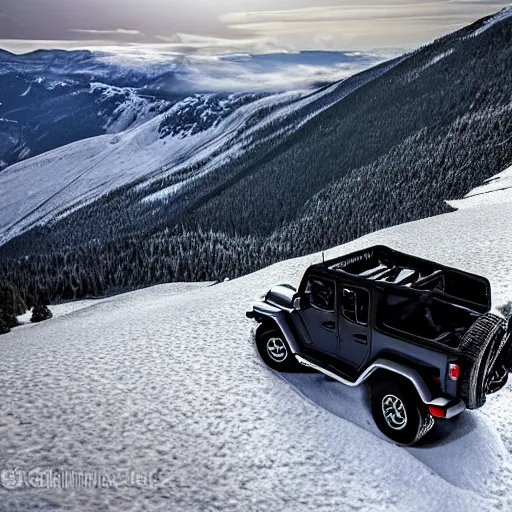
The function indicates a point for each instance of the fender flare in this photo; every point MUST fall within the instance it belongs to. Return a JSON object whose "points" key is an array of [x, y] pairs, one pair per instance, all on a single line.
{"points": [[278, 315]]}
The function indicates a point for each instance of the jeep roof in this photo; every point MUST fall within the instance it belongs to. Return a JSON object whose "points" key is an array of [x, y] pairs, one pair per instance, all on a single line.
{"points": [[386, 269]]}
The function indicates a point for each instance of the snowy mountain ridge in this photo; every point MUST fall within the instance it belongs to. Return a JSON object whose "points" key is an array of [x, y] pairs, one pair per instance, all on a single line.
{"points": [[87, 169], [202, 112], [44, 92], [197, 129], [131, 109], [492, 20]]}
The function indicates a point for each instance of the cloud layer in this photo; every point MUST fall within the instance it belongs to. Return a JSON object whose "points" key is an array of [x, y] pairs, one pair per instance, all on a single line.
{"points": [[367, 24], [236, 25]]}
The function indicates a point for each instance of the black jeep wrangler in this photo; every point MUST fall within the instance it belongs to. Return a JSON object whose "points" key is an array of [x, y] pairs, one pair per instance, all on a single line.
{"points": [[420, 333]]}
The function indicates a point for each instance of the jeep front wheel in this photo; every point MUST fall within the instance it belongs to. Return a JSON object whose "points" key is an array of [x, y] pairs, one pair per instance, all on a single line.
{"points": [[274, 350], [399, 412]]}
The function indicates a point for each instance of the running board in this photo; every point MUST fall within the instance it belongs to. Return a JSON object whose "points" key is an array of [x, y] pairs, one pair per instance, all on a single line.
{"points": [[382, 364], [304, 362]]}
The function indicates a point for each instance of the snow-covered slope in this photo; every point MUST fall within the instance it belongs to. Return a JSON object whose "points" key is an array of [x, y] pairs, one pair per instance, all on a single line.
{"points": [[171, 384], [50, 185], [496, 190]]}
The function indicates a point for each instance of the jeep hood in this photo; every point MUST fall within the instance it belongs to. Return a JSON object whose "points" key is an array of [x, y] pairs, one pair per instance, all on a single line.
{"points": [[281, 296]]}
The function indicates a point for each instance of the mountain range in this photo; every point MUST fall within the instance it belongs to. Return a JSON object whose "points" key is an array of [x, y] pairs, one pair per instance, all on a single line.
{"points": [[52, 98], [216, 184]]}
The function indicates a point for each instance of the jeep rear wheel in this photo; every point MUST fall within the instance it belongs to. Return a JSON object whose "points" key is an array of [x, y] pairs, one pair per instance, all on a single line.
{"points": [[399, 412], [483, 344], [274, 350]]}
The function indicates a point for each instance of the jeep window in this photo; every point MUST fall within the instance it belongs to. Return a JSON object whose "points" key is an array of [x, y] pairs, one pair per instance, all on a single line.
{"points": [[321, 293], [409, 314], [425, 316], [355, 305]]}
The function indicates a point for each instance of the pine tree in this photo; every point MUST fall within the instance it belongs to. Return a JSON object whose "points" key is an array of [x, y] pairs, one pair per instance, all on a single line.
{"points": [[41, 313]]}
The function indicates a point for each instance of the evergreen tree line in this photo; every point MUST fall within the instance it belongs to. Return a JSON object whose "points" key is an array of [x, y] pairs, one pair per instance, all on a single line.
{"points": [[12, 305], [134, 262]]}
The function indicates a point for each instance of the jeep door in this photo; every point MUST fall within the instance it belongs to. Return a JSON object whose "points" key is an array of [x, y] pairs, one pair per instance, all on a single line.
{"points": [[317, 316], [353, 331]]}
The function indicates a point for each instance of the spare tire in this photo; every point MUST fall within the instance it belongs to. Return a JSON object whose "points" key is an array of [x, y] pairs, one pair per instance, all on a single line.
{"points": [[507, 357], [507, 354], [482, 345]]}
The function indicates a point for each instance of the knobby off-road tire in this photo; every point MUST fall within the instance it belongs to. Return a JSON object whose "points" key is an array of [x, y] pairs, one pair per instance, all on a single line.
{"points": [[399, 412], [482, 344], [274, 350], [507, 350]]}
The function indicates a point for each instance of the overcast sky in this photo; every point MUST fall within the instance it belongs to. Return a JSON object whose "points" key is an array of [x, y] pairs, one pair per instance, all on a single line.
{"points": [[224, 25]]}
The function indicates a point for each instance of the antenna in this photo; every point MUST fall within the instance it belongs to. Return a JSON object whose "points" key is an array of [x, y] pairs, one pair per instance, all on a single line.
{"points": [[323, 257]]}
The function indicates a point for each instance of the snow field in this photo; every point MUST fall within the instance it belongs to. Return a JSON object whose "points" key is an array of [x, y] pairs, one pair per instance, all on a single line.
{"points": [[172, 383]]}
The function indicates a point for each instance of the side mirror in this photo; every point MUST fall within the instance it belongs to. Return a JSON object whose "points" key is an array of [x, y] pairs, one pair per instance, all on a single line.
{"points": [[297, 303]]}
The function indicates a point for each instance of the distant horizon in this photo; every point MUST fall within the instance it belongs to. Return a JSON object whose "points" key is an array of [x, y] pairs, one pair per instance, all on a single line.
{"points": [[163, 49], [234, 26]]}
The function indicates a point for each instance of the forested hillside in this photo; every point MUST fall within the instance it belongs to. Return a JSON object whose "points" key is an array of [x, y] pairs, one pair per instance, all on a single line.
{"points": [[398, 142]]}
